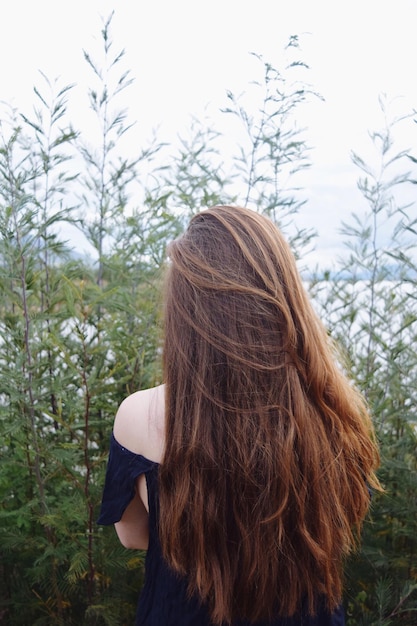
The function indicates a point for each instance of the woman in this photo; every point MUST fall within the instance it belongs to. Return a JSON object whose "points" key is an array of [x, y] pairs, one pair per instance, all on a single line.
{"points": [[246, 474]]}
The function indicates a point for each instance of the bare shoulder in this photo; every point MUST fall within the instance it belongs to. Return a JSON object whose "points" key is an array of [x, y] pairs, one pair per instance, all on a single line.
{"points": [[140, 422]]}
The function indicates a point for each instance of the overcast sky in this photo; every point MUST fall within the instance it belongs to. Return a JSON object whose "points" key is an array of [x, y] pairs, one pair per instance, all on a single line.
{"points": [[184, 54]]}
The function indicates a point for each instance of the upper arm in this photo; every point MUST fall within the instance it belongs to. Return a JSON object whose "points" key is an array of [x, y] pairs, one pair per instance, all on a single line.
{"points": [[132, 430], [133, 528]]}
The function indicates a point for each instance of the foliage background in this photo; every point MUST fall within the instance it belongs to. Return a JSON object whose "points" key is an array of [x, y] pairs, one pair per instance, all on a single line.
{"points": [[79, 332]]}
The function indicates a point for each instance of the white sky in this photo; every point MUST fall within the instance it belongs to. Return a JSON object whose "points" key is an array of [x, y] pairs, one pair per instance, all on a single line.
{"points": [[184, 54]]}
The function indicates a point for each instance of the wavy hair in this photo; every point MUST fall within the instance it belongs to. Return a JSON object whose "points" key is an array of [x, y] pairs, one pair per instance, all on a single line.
{"points": [[269, 447]]}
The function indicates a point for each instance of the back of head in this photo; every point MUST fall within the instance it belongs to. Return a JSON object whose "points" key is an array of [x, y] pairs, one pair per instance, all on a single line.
{"points": [[268, 445]]}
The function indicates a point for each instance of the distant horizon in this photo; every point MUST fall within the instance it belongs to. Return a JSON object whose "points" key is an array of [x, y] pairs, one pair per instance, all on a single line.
{"points": [[184, 58]]}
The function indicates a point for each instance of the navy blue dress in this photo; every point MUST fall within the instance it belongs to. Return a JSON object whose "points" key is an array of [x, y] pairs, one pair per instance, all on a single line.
{"points": [[163, 600]]}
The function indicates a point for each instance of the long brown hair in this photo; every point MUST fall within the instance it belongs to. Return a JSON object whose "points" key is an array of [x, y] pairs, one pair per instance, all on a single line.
{"points": [[269, 447]]}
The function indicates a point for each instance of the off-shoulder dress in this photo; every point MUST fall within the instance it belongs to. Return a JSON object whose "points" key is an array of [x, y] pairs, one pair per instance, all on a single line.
{"points": [[163, 600]]}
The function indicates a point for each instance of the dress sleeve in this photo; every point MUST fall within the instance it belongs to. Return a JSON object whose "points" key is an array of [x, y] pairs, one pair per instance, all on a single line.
{"points": [[123, 468]]}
